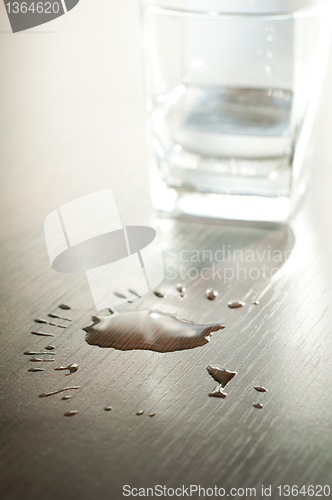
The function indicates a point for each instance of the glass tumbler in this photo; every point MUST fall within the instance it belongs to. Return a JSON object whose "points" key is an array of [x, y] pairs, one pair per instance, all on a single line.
{"points": [[232, 90]]}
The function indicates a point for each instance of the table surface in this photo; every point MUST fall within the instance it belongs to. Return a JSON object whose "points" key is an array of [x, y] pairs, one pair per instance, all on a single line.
{"points": [[73, 123]]}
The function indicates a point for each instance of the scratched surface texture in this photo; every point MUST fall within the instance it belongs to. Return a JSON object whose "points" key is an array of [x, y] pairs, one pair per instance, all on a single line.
{"points": [[78, 126]]}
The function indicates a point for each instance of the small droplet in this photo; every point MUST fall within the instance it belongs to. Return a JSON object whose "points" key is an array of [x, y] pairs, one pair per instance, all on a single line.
{"points": [[52, 315], [50, 347], [151, 414], [140, 412], [220, 374], [234, 304], [218, 392], [119, 294], [269, 54], [70, 413], [64, 306], [72, 368], [269, 38], [44, 321], [133, 292], [159, 294], [260, 389], [259, 406], [36, 370], [211, 294], [65, 398], [255, 302], [180, 287], [108, 408], [43, 334], [45, 394], [31, 353]]}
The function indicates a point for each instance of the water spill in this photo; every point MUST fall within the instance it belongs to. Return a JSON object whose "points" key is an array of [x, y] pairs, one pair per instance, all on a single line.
{"points": [[108, 408], [211, 294], [38, 360], [159, 294], [257, 405], [146, 329], [50, 347], [36, 370], [31, 353], [64, 306], [118, 294], [220, 374], [151, 414], [44, 321], [65, 398], [52, 315], [235, 304], [43, 334], [260, 389], [140, 412], [70, 413], [133, 292], [218, 392], [255, 302], [45, 394], [72, 368], [180, 287]]}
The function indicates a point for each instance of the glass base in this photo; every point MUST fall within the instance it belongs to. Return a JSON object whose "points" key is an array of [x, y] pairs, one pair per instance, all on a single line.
{"points": [[178, 201]]}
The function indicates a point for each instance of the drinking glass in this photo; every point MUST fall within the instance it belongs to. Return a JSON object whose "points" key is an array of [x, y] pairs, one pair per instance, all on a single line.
{"points": [[232, 90]]}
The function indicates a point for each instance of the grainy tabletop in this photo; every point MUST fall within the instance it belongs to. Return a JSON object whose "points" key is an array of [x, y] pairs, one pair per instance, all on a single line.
{"points": [[72, 123]]}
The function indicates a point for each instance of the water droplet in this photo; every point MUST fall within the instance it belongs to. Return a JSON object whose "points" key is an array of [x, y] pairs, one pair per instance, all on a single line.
{"points": [[52, 315], [72, 368], [177, 148], [255, 302], [130, 290], [145, 329], [139, 412], [269, 54], [268, 69], [64, 306], [220, 374], [257, 405], [108, 408], [46, 394], [66, 398], [151, 414], [180, 287], [119, 294], [218, 392], [260, 389], [50, 347], [211, 294], [44, 321], [235, 304], [43, 334], [31, 353], [36, 370], [269, 38], [70, 413], [159, 294]]}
